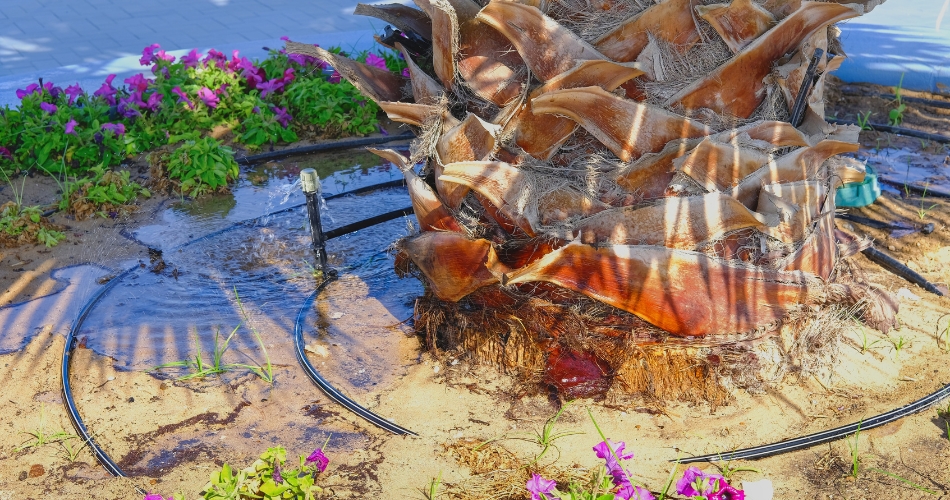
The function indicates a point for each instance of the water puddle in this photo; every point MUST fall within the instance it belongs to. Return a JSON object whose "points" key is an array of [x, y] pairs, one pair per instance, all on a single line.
{"points": [[213, 281], [916, 168]]}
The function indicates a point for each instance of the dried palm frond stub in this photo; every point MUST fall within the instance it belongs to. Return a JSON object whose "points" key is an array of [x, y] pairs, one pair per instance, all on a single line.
{"points": [[628, 200]]}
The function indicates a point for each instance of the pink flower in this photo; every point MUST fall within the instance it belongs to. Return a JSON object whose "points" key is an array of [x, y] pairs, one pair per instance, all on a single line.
{"points": [[727, 493], [216, 57], [208, 97], [71, 127], [153, 496], [73, 91], [137, 82], [538, 486], [253, 76], [318, 458], [335, 77], [631, 492], [49, 108], [115, 128], [405, 72], [6, 152], [288, 76], [191, 60], [374, 60], [32, 88], [153, 102], [182, 97]]}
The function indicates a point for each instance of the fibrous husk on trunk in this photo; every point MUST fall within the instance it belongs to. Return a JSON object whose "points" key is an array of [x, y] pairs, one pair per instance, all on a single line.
{"points": [[614, 193]]}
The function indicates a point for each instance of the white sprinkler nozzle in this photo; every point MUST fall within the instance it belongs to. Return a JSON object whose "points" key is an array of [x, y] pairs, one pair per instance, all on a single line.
{"points": [[309, 180]]}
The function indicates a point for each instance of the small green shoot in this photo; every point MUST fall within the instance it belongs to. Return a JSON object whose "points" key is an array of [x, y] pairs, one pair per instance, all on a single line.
{"points": [[899, 343], [547, 436], [943, 335], [432, 492], [41, 437], [907, 482], [199, 367], [669, 480], [896, 115], [863, 121], [922, 212], [264, 372], [865, 345], [855, 454]]}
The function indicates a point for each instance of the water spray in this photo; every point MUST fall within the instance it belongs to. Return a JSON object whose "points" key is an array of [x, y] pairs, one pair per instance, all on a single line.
{"points": [[310, 183]]}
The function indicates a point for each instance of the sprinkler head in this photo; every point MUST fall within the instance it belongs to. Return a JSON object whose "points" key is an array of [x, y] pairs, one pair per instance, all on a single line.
{"points": [[309, 180]]}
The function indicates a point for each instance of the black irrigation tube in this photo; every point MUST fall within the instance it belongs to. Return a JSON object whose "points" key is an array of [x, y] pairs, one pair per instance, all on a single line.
{"points": [[324, 146], [73, 412], [825, 436], [322, 383], [880, 127]]}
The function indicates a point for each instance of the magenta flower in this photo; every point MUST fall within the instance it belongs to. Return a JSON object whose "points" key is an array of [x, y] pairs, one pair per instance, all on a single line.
{"points": [[613, 467], [698, 483], [191, 60], [288, 76], [374, 60], [405, 72], [153, 496], [253, 76], [335, 77], [727, 493], [49, 108], [32, 88], [107, 91], [148, 54], [182, 97], [318, 458], [216, 57], [285, 38], [116, 128], [276, 476], [73, 91], [6, 152], [631, 492], [71, 127], [283, 117], [538, 486], [138, 82], [208, 97], [270, 86]]}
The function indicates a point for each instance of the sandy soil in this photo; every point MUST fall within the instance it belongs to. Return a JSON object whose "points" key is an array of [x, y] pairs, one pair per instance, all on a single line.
{"points": [[171, 435]]}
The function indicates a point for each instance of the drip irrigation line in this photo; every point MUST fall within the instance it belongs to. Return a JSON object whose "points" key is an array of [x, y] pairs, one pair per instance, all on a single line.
{"points": [[893, 265], [71, 339], [825, 436], [71, 409], [324, 146], [322, 383], [891, 97], [372, 221], [880, 127]]}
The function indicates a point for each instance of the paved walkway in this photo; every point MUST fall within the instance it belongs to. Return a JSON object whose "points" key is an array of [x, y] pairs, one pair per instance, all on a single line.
{"points": [[85, 40]]}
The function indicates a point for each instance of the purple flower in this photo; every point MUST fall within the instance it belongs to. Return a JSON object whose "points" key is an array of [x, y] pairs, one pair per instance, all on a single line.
{"points": [[243, 64], [73, 91], [30, 89], [191, 60], [148, 54], [613, 467], [405, 72], [54, 92], [137, 82], [381, 129], [283, 117], [182, 97], [285, 38], [374, 60], [256, 110], [538, 486], [153, 496], [279, 479], [318, 458], [116, 128], [299, 59], [49, 108], [270, 86], [153, 102], [216, 57], [107, 91], [71, 127], [6, 152], [288, 76], [253, 76], [208, 97], [698, 483], [335, 77], [631, 492]]}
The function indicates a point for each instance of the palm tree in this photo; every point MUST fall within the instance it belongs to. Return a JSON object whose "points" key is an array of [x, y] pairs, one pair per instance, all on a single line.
{"points": [[622, 190]]}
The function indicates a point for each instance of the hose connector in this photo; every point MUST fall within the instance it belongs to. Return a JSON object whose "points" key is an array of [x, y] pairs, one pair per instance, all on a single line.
{"points": [[309, 180]]}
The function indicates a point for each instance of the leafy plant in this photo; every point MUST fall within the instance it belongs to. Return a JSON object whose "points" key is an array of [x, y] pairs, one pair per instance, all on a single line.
{"points": [[102, 192], [896, 115], [266, 478], [202, 165], [41, 437], [198, 366], [855, 453], [19, 224]]}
